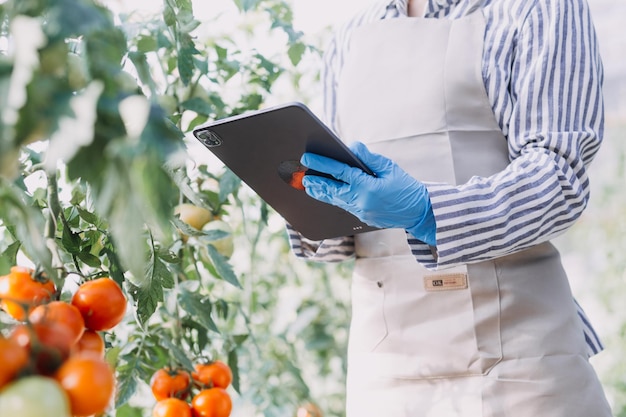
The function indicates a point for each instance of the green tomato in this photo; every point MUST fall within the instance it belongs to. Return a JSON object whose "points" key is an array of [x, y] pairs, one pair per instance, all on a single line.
{"points": [[194, 216], [34, 396], [126, 82], [225, 245]]}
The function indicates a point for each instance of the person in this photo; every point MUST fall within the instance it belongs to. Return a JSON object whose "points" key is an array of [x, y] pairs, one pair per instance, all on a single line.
{"points": [[479, 119]]}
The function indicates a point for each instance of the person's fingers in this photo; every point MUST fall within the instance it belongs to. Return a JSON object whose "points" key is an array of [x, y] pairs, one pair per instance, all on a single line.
{"points": [[328, 190], [337, 169]]}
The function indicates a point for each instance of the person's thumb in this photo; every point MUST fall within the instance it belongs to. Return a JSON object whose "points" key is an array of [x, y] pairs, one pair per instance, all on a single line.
{"points": [[375, 162]]}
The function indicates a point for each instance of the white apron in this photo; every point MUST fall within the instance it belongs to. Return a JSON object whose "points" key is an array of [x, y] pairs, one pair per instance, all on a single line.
{"points": [[498, 338]]}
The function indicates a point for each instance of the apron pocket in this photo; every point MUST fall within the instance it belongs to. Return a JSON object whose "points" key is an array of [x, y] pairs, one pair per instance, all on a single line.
{"points": [[415, 324], [368, 325]]}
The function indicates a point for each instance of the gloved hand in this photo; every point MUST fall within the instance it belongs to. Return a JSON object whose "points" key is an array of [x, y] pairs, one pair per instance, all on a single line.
{"points": [[390, 199]]}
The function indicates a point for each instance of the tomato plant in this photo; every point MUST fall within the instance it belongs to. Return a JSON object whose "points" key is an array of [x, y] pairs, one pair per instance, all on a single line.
{"points": [[94, 161], [101, 304]]}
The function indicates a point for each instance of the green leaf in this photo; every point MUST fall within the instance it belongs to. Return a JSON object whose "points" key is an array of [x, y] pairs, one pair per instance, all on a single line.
{"points": [[233, 363], [186, 51], [89, 259], [221, 307], [168, 256], [246, 5], [87, 216], [115, 267], [146, 299], [169, 16], [229, 183], [295, 52], [126, 383], [184, 5], [199, 307], [147, 43], [157, 277], [79, 18], [197, 121], [198, 105], [176, 352], [140, 61], [202, 338], [26, 224], [8, 257], [213, 235], [78, 195], [186, 229], [223, 268], [202, 64], [71, 241], [128, 411], [163, 41]]}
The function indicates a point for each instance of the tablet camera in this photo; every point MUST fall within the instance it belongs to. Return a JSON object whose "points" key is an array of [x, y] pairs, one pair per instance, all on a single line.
{"points": [[209, 138]]}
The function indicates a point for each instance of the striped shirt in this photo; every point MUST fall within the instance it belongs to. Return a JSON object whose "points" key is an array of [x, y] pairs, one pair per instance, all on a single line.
{"points": [[543, 76]]}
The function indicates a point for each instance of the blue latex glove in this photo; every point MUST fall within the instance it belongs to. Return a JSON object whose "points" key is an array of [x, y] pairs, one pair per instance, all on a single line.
{"points": [[390, 199]]}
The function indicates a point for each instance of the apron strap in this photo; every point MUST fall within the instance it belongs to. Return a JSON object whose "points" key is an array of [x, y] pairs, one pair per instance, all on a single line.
{"points": [[474, 5]]}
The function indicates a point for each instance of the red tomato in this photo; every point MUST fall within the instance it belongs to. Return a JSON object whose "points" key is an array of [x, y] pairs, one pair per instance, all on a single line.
{"points": [[89, 383], [101, 303], [48, 343], [13, 358], [212, 402], [60, 312], [171, 407], [166, 383], [90, 343], [20, 292], [213, 374]]}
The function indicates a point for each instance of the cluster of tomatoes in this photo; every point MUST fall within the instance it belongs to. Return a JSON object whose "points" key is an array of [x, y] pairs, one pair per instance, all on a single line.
{"points": [[54, 349], [206, 386]]}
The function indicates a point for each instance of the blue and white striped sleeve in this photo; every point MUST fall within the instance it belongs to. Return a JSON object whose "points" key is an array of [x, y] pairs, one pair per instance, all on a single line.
{"points": [[327, 250], [554, 131]]}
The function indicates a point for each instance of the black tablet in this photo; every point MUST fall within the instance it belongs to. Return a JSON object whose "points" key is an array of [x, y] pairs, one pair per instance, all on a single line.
{"points": [[264, 147]]}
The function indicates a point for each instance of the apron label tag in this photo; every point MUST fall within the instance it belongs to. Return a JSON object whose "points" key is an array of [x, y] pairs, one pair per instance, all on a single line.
{"points": [[445, 282]]}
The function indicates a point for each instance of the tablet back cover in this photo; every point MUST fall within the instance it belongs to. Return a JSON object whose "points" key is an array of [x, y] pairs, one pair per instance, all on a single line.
{"points": [[257, 145]]}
